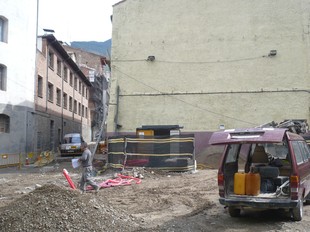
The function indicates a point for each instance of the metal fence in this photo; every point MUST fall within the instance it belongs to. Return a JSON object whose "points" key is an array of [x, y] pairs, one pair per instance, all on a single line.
{"points": [[10, 160], [31, 158]]}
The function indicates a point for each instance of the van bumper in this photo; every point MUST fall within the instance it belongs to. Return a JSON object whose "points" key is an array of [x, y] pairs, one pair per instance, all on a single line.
{"points": [[256, 202]]}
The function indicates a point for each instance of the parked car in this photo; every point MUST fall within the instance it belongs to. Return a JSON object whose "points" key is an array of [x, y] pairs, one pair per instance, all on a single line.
{"points": [[71, 144], [263, 168]]}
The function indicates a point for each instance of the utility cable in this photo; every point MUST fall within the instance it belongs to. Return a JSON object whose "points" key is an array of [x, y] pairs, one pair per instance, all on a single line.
{"points": [[194, 62], [195, 106]]}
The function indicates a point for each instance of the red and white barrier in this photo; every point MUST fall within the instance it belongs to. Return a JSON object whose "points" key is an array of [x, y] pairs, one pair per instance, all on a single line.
{"points": [[66, 174], [121, 180]]}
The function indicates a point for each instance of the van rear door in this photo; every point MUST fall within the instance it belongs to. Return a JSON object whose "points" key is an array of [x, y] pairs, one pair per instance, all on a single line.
{"points": [[255, 135]]}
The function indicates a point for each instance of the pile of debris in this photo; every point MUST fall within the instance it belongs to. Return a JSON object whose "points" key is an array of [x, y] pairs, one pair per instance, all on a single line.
{"points": [[55, 208]]}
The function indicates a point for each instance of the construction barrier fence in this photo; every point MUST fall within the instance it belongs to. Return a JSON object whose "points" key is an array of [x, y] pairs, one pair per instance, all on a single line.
{"points": [[30, 158], [175, 153], [10, 160]]}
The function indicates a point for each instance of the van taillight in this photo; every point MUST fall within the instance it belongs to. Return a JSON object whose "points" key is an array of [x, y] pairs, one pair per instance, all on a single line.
{"points": [[294, 182], [220, 182]]}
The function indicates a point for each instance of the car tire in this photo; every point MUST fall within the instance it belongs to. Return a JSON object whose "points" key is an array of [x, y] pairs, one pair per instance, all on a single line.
{"points": [[234, 212], [307, 199], [297, 212]]}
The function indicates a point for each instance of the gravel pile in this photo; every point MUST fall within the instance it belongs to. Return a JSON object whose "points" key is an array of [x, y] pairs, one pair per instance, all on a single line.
{"points": [[56, 208]]}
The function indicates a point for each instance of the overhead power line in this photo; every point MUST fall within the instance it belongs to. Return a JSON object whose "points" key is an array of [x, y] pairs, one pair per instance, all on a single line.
{"points": [[195, 106], [194, 62]]}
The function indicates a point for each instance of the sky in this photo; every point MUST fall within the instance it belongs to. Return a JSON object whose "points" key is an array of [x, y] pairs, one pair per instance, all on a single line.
{"points": [[77, 20]]}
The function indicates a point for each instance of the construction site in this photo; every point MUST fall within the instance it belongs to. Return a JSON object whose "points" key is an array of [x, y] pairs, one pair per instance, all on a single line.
{"points": [[177, 74], [40, 197]]}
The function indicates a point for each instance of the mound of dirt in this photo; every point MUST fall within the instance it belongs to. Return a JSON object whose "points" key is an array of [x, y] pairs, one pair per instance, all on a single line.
{"points": [[56, 208]]}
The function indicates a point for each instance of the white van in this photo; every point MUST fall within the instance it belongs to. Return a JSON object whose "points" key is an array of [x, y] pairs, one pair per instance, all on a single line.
{"points": [[71, 145]]}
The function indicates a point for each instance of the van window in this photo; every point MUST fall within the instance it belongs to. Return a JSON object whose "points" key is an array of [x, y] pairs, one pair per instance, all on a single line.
{"points": [[298, 153], [305, 150], [277, 150], [232, 153]]}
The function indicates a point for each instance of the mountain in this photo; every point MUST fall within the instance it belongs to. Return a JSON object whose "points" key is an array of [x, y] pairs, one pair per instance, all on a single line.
{"points": [[100, 48]]}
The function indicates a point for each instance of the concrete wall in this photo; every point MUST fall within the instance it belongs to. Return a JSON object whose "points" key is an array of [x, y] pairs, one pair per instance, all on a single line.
{"points": [[19, 138], [211, 64], [18, 55]]}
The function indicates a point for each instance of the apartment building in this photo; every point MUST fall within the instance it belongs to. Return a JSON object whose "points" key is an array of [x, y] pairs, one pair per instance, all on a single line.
{"points": [[208, 65], [96, 68], [62, 94], [17, 74]]}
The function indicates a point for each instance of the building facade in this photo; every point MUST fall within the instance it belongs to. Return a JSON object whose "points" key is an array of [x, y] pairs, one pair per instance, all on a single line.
{"points": [[17, 74], [96, 68], [62, 93], [209, 65]]}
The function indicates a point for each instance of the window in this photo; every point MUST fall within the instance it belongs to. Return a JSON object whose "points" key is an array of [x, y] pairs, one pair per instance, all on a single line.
{"points": [[40, 86], [86, 93], [232, 153], [79, 108], [304, 150], [59, 67], [65, 74], [298, 153], [58, 97], [4, 123], [50, 59], [50, 92], [75, 83], [71, 79], [83, 91], [70, 103], [39, 140], [3, 29], [83, 111], [86, 112], [80, 86], [2, 77], [52, 129], [75, 106], [65, 100]]}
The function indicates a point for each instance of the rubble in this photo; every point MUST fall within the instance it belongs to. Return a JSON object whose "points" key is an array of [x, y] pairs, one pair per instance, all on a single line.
{"points": [[164, 201], [55, 208]]}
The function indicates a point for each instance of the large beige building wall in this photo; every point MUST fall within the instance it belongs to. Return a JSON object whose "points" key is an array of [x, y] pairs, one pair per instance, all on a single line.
{"points": [[211, 64]]}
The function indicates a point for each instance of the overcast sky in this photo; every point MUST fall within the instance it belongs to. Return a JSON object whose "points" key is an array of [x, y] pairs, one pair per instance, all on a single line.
{"points": [[77, 20]]}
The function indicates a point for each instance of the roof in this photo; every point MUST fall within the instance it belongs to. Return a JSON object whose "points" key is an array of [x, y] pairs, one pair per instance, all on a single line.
{"points": [[118, 3], [59, 48]]}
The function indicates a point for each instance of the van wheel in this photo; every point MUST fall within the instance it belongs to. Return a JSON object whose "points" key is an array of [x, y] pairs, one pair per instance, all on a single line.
{"points": [[308, 199], [234, 212], [297, 212]]}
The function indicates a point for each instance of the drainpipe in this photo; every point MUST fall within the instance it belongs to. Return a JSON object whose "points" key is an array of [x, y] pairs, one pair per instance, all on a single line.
{"points": [[46, 85], [81, 112], [73, 97], [62, 107], [35, 82], [116, 110]]}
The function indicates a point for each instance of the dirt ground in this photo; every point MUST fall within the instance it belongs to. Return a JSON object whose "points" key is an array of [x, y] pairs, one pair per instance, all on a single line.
{"points": [[39, 199]]}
